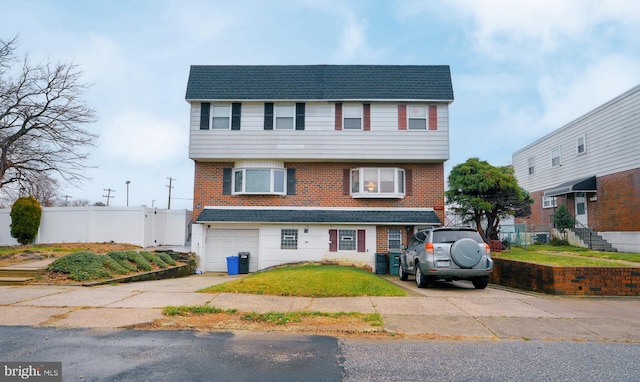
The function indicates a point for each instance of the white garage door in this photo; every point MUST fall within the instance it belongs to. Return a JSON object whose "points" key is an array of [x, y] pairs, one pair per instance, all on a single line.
{"points": [[228, 242]]}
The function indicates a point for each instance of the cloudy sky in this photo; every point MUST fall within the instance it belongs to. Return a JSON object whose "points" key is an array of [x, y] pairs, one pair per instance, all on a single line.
{"points": [[520, 68]]}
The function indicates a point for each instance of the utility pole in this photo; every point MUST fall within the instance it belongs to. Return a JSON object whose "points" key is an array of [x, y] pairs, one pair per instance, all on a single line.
{"points": [[170, 187], [66, 200], [108, 195]]}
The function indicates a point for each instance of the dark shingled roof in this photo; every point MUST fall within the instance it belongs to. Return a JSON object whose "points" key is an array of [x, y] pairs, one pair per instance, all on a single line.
{"points": [[408, 217], [320, 82]]}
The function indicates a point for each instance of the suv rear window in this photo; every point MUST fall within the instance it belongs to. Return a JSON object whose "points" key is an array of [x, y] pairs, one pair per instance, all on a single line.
{"points": [[454, 235]]}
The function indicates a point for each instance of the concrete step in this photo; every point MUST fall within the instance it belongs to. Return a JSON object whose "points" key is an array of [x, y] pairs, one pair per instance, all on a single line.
{"points": [[14, 271], [7, 281]]}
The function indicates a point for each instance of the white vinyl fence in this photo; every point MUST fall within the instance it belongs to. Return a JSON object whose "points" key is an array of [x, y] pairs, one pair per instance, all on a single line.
{"points": [[142, 226]]}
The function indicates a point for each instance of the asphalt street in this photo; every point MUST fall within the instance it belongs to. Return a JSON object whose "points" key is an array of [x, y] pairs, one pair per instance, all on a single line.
{"points": [[131, 355]]}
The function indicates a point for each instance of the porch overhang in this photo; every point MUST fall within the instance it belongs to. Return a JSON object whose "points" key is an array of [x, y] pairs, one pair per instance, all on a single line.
{"points": [[347, 216], [579, 185]]}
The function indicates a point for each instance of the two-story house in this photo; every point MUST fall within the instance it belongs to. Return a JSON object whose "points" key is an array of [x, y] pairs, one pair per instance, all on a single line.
{"points": [[315, 162], [592, 165]]}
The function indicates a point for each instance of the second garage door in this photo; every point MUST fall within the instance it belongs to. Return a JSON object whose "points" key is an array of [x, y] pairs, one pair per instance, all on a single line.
{"points": [[228, 242]]}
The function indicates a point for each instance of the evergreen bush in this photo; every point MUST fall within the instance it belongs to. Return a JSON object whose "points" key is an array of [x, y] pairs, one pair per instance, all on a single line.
{"points": [[25, 219]]}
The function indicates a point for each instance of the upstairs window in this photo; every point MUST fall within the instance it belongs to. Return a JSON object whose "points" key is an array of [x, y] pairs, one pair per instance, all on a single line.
{"points": [[284, 116], [352, 117], [532, 165], [259, 181], [221, 116], [581, 145], [377, 182], [555, 157], [417, 117]]}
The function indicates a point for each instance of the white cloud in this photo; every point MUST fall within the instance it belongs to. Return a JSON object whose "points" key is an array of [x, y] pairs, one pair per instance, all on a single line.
{"points": [[353, 40], [143, 139], [566, 98]]}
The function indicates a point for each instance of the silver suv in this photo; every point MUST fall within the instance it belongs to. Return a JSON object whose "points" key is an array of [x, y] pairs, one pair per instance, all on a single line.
{"points": [[448, 254]]}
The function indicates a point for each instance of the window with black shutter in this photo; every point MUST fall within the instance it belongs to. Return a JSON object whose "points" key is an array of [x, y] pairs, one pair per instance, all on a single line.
{"points": [[226, 181], [300, 116], [205, 108], [268, 116], [236, 109], [291, 181]]}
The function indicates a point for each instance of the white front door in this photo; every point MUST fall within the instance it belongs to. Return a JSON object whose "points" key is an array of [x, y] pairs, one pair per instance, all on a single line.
{"points": [[581, 208]]}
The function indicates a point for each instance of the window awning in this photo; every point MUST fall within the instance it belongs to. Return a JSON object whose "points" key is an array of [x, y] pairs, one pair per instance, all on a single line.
{"points": [[579, 185]]}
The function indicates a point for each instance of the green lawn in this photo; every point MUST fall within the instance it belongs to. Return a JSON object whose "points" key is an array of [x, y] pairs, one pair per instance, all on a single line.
{"points": [[569, 256], [311, 280]]}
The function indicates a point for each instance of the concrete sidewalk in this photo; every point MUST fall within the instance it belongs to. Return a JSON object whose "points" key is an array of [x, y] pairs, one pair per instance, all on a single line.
{"points": [[447, 309]]}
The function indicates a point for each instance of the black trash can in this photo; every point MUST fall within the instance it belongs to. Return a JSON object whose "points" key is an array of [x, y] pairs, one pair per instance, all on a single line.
{"points": [[381, 263], [243, 266]]}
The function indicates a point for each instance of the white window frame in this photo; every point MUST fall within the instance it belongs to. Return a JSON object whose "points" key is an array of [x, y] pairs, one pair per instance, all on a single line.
{"points": [[279, 114], [220, 107], [583, 144], [549, 201], [531, 165], [414, 114], [352, 112], [394, 235], [557, 150], [288, 238], [363, 186], [274, 189]]}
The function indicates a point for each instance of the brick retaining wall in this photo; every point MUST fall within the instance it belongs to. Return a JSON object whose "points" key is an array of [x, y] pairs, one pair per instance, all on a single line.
{"points": [[588, 281]]}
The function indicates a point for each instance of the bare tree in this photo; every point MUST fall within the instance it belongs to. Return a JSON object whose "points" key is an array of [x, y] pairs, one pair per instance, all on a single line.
{"points": [[42, 187], [42, 115]]}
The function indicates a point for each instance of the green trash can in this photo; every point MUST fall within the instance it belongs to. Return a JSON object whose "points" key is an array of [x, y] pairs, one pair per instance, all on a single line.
{"points": [[394, 263]]}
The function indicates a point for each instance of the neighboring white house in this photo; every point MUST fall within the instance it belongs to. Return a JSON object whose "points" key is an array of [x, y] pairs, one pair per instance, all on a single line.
{"points": [[142, 226], [591, 165], [319, 162]]}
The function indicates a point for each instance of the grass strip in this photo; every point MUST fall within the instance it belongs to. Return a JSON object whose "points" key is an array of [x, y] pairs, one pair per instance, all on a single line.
{"points": [[311, 280]]}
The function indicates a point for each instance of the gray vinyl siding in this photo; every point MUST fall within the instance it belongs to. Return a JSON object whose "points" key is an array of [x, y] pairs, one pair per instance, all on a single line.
{"points": [[320, 140], [612, 134]]}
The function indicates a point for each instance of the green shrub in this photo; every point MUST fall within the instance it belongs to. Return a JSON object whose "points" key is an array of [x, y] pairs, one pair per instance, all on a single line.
{"points": [[114, 266], [167, 259], [123, 260], [139, 260], [154, 258], [81, 266], [25, 219]]}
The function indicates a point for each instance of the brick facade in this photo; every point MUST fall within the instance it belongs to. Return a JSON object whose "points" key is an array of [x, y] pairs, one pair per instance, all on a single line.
{"points": [[321, 185], [585, 281], [616, 206]]}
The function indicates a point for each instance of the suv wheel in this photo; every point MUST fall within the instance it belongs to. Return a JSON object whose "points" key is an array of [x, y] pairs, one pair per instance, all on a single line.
{"points": [[480, 282], [421, 280], [401, 273]]}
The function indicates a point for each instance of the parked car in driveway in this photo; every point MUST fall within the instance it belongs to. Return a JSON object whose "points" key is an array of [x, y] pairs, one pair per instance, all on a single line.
{"points": [[447, 254]]}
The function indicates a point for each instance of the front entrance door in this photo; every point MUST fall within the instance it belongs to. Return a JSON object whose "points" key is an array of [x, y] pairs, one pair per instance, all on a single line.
{"points": [[581, 208]]}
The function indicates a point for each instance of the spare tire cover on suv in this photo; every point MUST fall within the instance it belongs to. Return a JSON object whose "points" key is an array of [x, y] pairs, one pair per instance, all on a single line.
{"points": [[466, 253]]}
